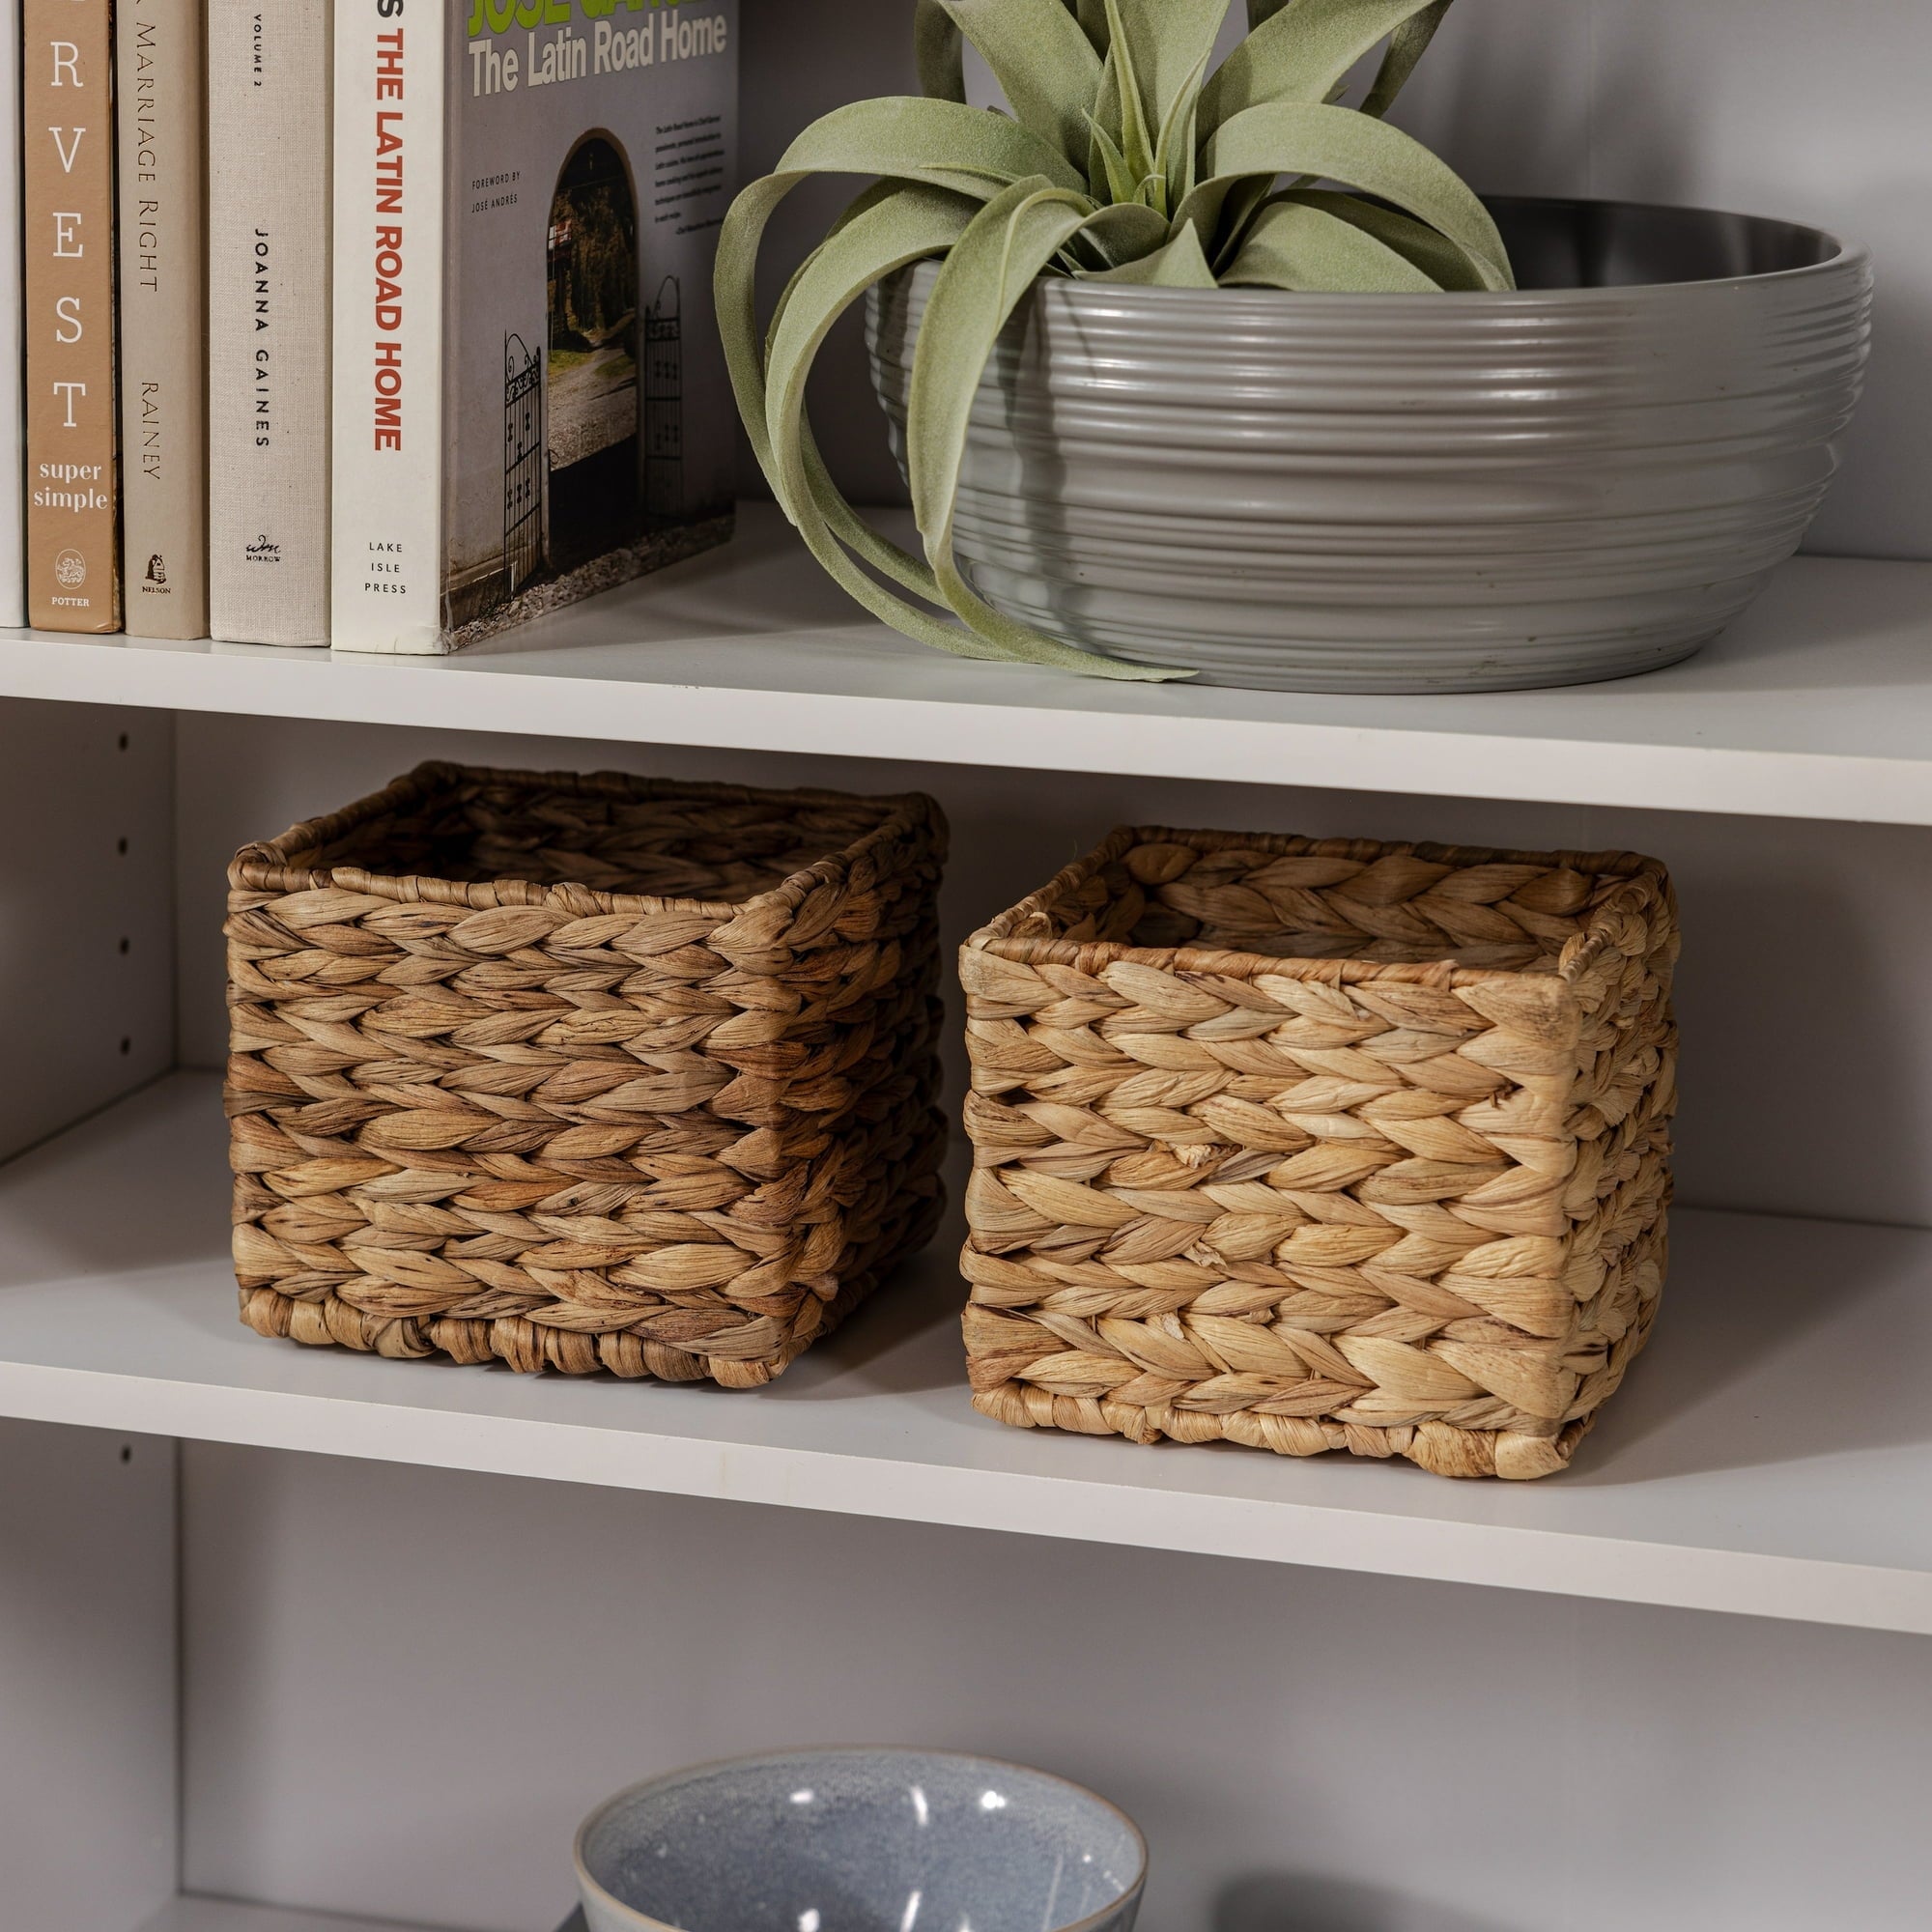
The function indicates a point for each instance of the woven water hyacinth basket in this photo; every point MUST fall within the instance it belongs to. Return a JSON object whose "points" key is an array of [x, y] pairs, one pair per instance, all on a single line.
{"points": [[583, 1072], [1321, 1146]]}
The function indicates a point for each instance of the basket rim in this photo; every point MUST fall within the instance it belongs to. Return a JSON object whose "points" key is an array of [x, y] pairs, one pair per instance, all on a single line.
{"points": [[265, 865], [997, 936]]}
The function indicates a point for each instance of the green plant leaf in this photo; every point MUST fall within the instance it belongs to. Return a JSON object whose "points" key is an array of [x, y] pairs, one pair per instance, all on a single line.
{"points": [[1337, 144], [1112, 176], [938, 143], [847, 524], [941, 142], [1446, 266], [989, 269], [903, 227], [1123, 232], [1179, 265], [1157, 54], [1173, 40], [1044, 62], [1411, 42], [1296, 244], [1234, 207], [1093, 17], [1124, 99], [1305, 51], [1179, 141], [939, 50]]}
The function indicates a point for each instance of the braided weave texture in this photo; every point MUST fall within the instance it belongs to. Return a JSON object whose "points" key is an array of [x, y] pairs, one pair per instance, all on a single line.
{"points": [[1321, 1146], [583, 1072]]}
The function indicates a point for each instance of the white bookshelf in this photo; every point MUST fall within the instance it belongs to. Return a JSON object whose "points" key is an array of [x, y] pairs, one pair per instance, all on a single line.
{"points": [[1817, 705], [236, 1636], [193, 1914], [288, 1734], [362, 1640]]}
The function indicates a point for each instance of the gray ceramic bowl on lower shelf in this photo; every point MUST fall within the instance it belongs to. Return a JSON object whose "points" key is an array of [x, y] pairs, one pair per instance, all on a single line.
{"points": [[859, 1840]]}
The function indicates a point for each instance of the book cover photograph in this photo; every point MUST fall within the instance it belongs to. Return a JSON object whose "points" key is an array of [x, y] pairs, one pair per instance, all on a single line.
{"points": [[537, 408]]}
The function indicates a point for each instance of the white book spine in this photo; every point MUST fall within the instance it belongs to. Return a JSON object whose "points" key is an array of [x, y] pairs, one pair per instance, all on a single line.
{"points": [[13, 348], [268, 319], [389, 267]]}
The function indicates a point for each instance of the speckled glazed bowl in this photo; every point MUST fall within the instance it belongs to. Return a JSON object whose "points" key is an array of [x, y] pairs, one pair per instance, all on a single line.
{"points": [[1584, 478], [859, 1841]]}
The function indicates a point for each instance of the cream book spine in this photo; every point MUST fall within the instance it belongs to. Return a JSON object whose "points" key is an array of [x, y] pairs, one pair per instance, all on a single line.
{"points": [[386, 591], [268, 122], [163, 305], [13, 302]]}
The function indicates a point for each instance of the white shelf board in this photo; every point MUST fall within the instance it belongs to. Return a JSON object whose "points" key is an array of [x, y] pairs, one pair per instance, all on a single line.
{"points": [[1817, 705], [1771, 1455], [191, 1913]]}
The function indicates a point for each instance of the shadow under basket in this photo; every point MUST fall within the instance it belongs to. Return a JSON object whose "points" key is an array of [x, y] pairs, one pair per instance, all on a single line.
{"points": [[1321, 1146], [583, 1072]]}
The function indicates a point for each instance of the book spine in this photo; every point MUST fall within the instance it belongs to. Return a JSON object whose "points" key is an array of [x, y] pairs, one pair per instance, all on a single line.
{"points": [[389, 317], [268, 320], [13, 392], [158, 54], [73, 553]]}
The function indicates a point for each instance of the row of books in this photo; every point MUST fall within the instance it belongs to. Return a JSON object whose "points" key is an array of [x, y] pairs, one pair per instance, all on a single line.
{"points": [[384, 323]]}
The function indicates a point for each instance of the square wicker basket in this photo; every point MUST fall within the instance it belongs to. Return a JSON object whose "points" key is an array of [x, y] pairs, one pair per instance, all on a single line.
{"points": [[1321, 1146], [583, 1072]]}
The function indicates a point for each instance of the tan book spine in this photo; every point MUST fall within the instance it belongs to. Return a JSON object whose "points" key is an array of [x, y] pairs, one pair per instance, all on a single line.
{"points": [[73, 549], [158, 46]]}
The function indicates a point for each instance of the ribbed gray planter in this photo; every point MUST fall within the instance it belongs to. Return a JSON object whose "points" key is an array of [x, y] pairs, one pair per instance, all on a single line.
{"points": [[1586, 478]]}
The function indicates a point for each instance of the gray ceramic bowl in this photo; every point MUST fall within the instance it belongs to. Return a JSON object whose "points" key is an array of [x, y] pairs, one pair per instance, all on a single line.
{"points": [[859, 1841], [1584, 478]]}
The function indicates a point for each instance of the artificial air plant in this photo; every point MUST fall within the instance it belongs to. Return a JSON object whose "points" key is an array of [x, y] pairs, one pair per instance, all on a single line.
{"points": [[1122, 158]]}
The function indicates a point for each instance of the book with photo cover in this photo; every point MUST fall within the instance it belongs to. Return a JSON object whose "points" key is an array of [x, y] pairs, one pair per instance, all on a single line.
{"points": [[530, 400]]}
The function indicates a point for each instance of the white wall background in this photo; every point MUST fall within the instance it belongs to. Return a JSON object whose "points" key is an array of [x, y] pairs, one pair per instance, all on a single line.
{"points": [[1812, 110]]}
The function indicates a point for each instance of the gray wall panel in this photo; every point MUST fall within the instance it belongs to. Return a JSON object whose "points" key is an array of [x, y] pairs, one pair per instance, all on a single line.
{"points": [[404, 1688]]}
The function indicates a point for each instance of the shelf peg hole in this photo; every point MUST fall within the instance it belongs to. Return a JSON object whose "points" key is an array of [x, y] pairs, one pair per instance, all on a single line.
{"points": [[121, 847], [124, 740], [127, 1046], [127, 947]]}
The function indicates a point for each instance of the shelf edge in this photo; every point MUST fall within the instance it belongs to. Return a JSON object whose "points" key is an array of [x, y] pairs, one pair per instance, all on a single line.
{"points": [[1682, 1577]]}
